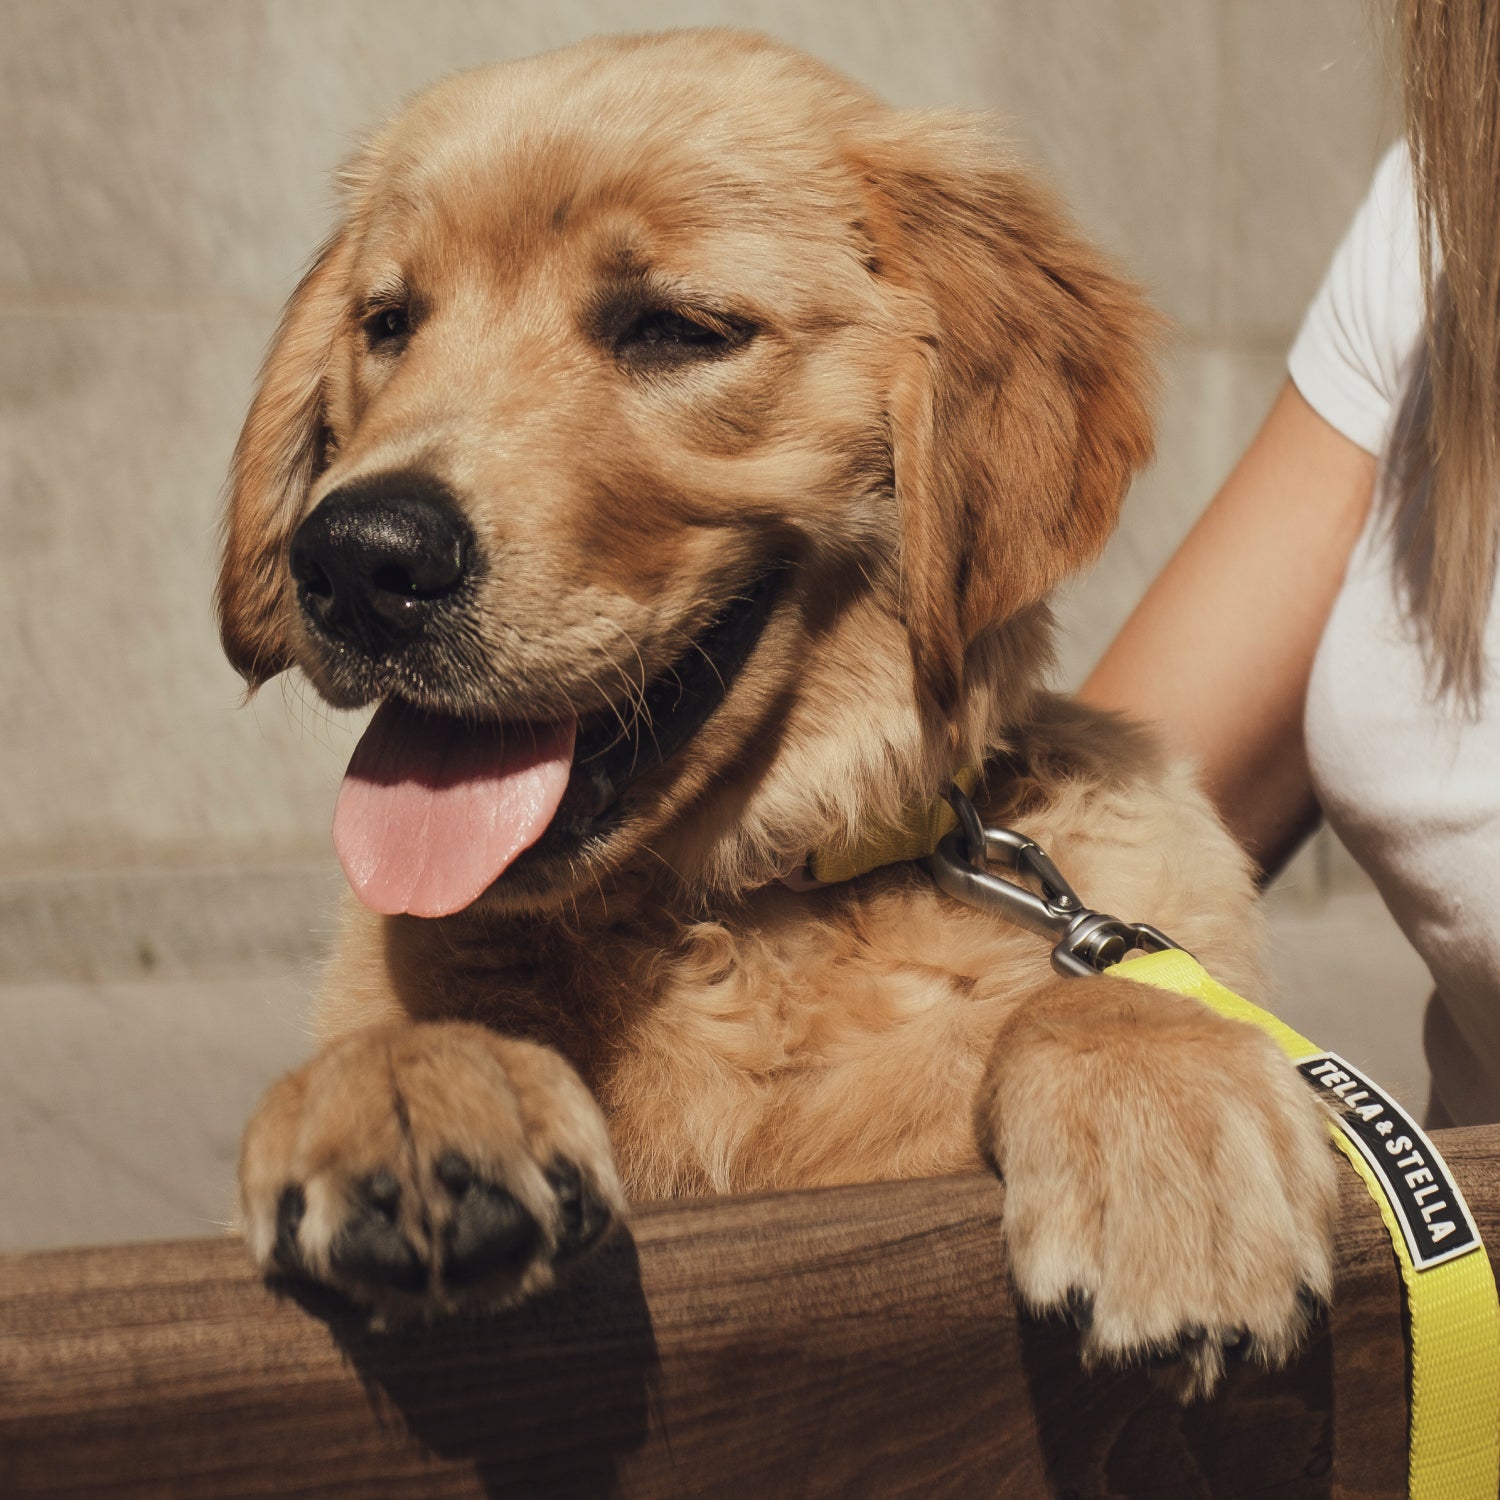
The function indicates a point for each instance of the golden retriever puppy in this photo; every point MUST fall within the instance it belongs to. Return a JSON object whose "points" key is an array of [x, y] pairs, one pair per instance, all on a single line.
{"points": [[680, 446]]}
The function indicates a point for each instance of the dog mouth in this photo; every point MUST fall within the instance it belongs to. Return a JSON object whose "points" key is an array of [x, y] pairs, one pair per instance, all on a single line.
{"points": [[434, 809]]}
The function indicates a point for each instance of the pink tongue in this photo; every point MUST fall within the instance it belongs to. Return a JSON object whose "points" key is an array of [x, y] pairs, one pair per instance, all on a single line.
{"points": [[432, 810]]}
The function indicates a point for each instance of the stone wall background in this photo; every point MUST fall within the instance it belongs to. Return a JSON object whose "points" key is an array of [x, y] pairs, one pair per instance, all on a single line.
{"points": [[165, 879]]}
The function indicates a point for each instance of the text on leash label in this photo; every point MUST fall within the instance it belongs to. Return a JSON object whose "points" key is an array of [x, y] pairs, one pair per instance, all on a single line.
{"points": [[1435, 1220]]}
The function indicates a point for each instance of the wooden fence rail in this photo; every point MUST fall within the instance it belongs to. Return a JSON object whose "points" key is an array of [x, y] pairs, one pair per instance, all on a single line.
{"points": [[857, 1341]]}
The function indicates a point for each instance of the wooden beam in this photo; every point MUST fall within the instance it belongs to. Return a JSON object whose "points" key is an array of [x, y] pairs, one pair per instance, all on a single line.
{"points": [[857, 1341]]}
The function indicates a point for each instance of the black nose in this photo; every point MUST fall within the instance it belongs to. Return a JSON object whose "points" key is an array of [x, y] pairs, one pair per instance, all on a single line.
{"points": [[379, 559]]}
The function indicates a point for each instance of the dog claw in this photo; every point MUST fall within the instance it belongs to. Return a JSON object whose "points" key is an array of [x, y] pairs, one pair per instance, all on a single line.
{"points": [[290, 1207], [1188, 1348], [455, 1173], [584, 1214], [1078, 1310], [1238, 1346], [381, 1192]]}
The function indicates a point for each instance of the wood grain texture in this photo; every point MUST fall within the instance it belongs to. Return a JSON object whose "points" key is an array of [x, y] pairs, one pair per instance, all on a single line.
{"points": [[857, 1341]]}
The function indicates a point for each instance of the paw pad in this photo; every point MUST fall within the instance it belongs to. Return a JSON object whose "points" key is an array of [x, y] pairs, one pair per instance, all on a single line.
{"points": [[490, 1229], [370, 1246]]}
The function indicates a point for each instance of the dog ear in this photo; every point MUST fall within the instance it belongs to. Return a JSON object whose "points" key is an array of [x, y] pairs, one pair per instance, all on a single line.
{"points": [[279, 453], [1020, 407]]}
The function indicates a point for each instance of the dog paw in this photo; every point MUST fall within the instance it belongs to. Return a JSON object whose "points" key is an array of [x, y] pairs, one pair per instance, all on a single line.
{"points": [[1170, 1187], [420, 1169]]}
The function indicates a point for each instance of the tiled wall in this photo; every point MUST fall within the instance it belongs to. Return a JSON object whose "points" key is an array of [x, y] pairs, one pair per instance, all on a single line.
{"points": [[165, 176]]}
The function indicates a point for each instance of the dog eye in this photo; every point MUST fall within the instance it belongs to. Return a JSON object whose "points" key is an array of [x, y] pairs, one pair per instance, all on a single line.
{"points": [[674, 328], [665, 334], [386, 326]]}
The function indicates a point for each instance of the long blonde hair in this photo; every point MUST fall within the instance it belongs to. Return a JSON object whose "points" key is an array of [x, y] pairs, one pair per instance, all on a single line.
{"points": [[1446, 458]]}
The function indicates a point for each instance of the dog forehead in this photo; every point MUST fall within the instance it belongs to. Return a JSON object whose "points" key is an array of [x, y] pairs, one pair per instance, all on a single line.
{"points": [[710, 130]]}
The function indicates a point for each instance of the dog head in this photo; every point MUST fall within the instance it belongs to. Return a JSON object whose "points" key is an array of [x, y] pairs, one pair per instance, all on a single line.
{"points": [[681, 446]]}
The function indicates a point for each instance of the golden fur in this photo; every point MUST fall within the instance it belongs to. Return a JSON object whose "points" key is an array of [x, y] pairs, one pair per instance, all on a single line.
{"points": [[936, 419]]}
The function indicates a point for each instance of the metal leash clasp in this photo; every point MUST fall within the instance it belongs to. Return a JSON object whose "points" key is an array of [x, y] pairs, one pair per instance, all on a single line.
{"points": [[1038, 898]]}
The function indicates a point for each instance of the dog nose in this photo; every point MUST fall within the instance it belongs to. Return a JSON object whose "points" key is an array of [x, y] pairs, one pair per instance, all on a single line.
{"points": [[379, 559]]}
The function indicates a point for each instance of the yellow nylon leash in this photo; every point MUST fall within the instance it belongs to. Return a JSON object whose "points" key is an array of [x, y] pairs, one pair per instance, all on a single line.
{"points": [[1452, 1311]]}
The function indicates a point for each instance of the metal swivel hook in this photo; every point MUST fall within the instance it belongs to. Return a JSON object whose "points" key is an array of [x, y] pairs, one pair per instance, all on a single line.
{"points": [[1038, 898]]}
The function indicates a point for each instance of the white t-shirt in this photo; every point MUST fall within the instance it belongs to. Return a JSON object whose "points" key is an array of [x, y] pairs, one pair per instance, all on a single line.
{"points": [[1408, 780]]}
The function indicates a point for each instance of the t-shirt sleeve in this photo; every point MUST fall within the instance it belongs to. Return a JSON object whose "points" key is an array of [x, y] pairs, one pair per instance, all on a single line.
{"points": [[1352, 354]]}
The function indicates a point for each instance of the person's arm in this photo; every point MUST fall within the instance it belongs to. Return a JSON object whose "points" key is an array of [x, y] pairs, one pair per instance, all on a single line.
{"points": [[1219, 651]]}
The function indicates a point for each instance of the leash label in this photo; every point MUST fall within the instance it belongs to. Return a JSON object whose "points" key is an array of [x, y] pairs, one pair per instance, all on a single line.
{"points": [[1435, 1221]]}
